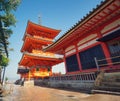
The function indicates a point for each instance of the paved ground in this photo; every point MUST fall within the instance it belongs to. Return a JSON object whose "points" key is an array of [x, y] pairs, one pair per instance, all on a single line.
{"points": [[21, 93]]}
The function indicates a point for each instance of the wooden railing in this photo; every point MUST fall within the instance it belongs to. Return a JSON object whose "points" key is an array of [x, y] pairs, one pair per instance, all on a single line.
{"points": [[112, 61], [80, 77]]}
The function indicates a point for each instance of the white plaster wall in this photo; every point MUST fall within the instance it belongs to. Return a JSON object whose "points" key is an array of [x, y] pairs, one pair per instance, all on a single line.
{"points": [[110, 26]]}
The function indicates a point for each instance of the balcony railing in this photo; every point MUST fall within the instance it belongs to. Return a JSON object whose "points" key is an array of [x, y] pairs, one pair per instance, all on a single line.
{"points": [[110, 61]]}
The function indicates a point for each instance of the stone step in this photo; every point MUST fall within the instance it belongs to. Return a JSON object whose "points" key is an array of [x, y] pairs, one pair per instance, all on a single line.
{"points": [[112, 77], [105, 92], [111, 84], [108, 88]]}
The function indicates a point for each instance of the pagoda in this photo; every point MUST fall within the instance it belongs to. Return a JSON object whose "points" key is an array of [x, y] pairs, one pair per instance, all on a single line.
{"points": [[36, 63]]}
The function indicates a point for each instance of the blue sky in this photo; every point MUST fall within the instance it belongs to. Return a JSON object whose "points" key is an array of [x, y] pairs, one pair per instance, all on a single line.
{"points": [[57, 14]]}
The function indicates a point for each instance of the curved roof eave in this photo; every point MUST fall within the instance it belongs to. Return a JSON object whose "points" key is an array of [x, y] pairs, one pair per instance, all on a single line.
{"points": [[47, 29], [91, 14]]}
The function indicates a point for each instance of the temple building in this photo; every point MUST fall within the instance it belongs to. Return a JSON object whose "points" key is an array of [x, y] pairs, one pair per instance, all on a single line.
{"points": [[89, 48], [94, 42], [34, 62]]}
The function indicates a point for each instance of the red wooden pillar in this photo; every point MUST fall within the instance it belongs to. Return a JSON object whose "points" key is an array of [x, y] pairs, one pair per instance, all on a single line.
{"points": [[50, 74], [78, 58], [105, 49]]}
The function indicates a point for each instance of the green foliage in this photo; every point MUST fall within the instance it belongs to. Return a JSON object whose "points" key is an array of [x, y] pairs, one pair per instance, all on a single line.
{"points": [[9, 5], [6, 11], [6, 79], [4, 61], [7, 19]]}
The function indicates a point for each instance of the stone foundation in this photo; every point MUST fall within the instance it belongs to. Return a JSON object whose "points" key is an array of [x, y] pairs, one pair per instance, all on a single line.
{"points": [[29, 83], [76, 85]]}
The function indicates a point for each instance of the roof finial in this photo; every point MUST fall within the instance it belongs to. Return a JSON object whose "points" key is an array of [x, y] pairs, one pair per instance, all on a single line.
{"points": [[39, 19]]}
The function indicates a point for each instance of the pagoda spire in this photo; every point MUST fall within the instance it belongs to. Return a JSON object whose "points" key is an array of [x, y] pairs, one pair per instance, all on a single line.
{"points": [[39, 19]]}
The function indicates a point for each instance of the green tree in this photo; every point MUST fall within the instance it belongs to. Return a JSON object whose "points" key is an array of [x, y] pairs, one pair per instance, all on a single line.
{"points": [[6, 79], [3, 63], [7, 19]]}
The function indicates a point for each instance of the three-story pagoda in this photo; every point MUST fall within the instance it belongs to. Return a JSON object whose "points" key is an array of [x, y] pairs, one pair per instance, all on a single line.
{"points": [[36, 63]]}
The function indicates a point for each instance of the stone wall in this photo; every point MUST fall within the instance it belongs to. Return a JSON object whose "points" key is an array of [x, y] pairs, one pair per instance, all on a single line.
{"points": [[72, 84]]}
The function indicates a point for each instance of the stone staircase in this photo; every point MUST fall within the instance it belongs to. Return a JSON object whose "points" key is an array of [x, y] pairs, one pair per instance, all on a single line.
{"points": [[107, 82]]}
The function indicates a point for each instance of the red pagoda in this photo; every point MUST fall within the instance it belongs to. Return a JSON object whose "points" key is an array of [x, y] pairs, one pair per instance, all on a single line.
{"points": [[36, 63]]}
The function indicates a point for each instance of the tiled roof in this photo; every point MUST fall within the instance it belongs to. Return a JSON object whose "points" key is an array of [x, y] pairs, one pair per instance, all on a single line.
{"points": [[79, 22]]}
